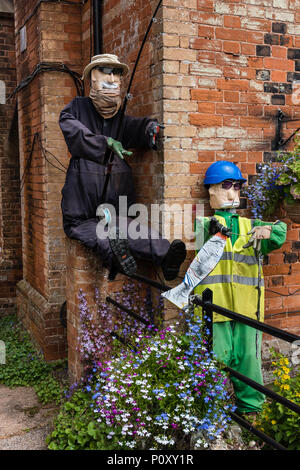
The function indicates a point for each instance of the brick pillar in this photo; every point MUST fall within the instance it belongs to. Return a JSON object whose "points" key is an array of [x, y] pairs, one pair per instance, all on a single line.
{"points": [[53, 31], [84, 273], [10, 213]]}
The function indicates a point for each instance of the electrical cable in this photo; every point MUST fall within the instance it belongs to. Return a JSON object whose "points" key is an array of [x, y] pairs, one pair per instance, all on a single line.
{"points": [[44, 153], [290, 314], [283, 295], [28, 163], [37, 137], [52, 155], [119, 133], [50, 67]]}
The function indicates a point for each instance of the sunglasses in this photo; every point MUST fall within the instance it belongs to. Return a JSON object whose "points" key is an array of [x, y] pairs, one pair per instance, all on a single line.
{"points": [[236, 185], [110, 70]]}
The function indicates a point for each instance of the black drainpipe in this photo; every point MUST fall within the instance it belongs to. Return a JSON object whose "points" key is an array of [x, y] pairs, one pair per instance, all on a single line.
{"points": [[97, 17]]}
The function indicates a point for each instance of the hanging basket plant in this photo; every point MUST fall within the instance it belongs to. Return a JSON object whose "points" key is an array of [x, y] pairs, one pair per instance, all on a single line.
{"points": [[277, 183]]}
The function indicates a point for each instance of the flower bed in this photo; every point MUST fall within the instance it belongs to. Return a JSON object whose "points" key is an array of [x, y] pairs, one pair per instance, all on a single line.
{"points": [[162, 390], [158, 396], [277, 420]]}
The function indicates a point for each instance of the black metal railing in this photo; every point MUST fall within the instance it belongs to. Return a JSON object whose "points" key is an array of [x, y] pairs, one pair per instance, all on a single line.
{"points": [[208, 308]]}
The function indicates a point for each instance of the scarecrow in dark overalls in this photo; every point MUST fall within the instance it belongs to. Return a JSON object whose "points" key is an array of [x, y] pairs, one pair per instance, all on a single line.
{"points": [[98, 137]]}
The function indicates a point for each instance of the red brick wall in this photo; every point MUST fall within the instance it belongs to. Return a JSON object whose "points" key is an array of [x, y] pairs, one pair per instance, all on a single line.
{"points": [[10, 216], [203, 73], [84, 273], [210, 72], [124, 27], [29, 106], [228, 67], [53, 35]]}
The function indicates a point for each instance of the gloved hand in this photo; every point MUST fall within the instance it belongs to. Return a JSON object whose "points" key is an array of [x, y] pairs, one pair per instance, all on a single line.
{"points": [[262, 232], [152, 132], [117, 148], [215, 226]]}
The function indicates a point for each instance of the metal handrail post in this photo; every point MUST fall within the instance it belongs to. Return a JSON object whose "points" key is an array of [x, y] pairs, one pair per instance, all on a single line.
{"points": [[207, 297]]}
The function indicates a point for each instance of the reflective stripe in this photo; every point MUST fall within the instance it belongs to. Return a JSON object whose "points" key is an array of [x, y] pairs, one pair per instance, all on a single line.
{"points": [[226, 278], [247, 259], [247, 281], [227, 255], [217, 279]]}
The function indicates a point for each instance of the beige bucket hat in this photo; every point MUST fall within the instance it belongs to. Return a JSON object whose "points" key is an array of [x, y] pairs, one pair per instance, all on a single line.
{"points": [[104, 60]]}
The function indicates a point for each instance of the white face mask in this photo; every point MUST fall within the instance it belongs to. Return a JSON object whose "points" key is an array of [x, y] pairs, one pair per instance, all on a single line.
{"points": [[221, 198]]}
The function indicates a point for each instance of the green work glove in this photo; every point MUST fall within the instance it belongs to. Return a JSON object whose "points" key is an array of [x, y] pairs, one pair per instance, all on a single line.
{"points": [[117, 148]]}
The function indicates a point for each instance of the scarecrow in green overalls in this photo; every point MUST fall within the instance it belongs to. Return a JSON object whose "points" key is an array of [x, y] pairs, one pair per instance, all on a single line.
{"points": [[237, 280]]}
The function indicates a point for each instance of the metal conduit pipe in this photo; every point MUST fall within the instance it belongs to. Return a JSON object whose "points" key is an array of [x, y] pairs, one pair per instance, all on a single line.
{"points": [[97, 26]]}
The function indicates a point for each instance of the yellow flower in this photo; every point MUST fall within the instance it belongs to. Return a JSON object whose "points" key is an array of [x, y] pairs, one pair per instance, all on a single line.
{"points": [[285, 387], [273, 421], [283, 361]]}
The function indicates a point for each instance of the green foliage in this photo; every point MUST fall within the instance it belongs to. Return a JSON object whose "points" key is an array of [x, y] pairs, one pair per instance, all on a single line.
{"points": [[49, 390], [276, 420], [277, 181], [156, 396], [76, 429], [24, 366]]}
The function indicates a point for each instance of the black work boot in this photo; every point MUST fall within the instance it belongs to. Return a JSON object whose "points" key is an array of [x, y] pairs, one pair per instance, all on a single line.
{"points": [[121, 251], [173, 260]]}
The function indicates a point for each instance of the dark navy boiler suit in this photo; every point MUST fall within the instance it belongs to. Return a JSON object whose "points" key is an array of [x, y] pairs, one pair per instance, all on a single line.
{"points": [[85, 133]]}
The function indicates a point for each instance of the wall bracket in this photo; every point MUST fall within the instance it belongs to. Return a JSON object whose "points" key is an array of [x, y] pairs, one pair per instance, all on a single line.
{"points": [[278, 142]]}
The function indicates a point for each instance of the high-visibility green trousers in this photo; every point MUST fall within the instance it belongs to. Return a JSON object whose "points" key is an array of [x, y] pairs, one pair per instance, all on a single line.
{"points": [[235, 345]]}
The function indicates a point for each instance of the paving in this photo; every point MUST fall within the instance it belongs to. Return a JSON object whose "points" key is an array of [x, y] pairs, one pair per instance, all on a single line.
{"points": [[24, 421]]}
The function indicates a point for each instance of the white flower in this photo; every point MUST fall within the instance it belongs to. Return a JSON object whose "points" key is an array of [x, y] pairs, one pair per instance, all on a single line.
{"points": [[129, 444]]}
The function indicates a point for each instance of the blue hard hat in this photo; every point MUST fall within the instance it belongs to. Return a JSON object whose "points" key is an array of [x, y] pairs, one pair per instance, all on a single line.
{"points": [[221, 171]]}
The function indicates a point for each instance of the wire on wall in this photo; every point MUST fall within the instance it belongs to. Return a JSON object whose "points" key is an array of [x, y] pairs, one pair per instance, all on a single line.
{"points": [[50, 67], [37, 139]]}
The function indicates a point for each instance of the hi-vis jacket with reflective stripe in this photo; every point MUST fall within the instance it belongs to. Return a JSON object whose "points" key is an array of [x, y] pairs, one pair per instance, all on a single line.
{"points": [[234, 280]]}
